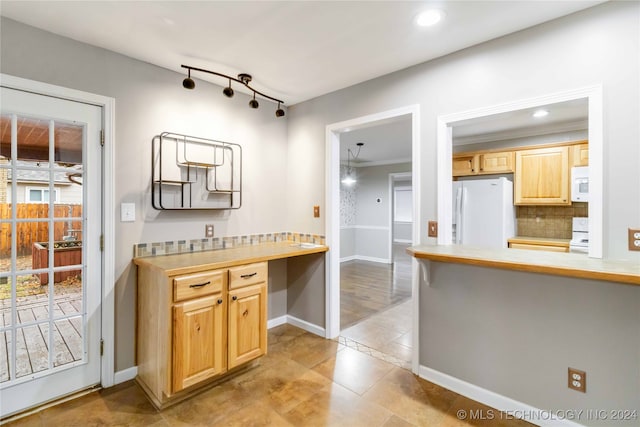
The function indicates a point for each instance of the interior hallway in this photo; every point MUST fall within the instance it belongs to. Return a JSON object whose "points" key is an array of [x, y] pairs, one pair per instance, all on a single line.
{"points": [[376, 308]]}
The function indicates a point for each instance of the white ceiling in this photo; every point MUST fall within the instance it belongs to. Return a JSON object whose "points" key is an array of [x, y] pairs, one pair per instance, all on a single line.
{"points": [[295, 50]]}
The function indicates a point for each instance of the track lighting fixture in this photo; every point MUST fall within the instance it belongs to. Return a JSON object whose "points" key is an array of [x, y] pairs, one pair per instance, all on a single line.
{"points": [[228, 92], [243, 78]]}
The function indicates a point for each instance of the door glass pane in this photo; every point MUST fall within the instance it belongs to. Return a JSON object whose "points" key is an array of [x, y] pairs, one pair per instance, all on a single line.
{"points": [[41, 224]]}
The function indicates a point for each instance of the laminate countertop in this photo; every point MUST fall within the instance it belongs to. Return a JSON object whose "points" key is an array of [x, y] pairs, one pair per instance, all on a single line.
{"points": [[192, 262], [559, 264]]}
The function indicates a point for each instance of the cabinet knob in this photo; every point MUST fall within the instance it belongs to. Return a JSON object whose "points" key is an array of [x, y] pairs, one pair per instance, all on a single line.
{"points": [[235, 297], [220, 301]]}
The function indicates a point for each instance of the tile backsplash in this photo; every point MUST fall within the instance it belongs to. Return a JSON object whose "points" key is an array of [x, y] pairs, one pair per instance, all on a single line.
{"points": [[197, 245], [548, 221]]}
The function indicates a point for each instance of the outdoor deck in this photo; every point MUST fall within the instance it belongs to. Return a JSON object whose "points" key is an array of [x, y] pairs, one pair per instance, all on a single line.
{"points": [[32, 352]]}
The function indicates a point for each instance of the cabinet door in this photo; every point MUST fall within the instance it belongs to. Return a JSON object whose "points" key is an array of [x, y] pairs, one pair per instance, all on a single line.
{"points": [[247, 324], [496, 162], [580, 155], [464, 165], [198, 340], [542, 177]]}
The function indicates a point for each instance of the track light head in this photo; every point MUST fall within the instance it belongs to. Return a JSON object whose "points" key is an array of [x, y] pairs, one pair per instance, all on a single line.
{"points": [[228, 92], [279, 111], [253, 103], [188, 83]]}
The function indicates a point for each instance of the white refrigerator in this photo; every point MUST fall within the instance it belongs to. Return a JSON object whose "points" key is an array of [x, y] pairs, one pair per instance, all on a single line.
{"points": [[483, 212]]}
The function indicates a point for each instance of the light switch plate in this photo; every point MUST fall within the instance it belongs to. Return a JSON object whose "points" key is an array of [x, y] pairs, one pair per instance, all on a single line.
{"points": [[127, 212]]}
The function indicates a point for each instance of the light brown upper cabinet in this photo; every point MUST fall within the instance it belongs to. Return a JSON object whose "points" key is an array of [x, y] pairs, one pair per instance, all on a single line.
{"points": [[482, 163], [580, 155], [542, 176], [496, 162], [465, 164]]}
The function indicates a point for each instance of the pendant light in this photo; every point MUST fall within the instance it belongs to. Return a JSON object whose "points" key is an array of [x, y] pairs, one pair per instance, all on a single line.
{"points": [[350, 177]]}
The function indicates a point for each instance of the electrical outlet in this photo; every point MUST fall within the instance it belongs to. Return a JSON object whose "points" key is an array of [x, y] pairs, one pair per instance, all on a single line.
{"points": [[577, 380], [634, 239], [208, 230], [432, 229], [316, 211]]}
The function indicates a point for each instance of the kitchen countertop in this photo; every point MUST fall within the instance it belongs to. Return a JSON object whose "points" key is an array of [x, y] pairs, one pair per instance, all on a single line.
{"points": [[527, 240], [191, 262], [560, 264]]}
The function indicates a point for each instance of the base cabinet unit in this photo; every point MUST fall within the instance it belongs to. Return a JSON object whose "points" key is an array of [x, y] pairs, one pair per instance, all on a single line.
{"points": [[194, 328]]}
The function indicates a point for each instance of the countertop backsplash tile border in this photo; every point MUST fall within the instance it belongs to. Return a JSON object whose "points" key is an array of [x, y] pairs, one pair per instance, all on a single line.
{"points": [[213, 243]]}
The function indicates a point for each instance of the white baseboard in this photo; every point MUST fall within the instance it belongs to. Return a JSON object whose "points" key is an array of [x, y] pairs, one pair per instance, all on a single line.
{"points": [[272, 323], [303, 324], [373, 259], [511, 407], [125, 375], [366, 258], [402, 241]]}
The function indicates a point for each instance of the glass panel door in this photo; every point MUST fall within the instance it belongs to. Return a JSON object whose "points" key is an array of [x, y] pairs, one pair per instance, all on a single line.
{"points": [[50, 222]]}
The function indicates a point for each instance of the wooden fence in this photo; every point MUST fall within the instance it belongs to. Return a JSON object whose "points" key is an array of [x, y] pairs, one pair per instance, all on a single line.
{"points": [[31, 231]]}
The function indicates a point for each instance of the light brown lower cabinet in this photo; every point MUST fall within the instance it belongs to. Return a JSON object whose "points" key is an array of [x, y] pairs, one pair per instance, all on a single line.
{"points": [[532, 247], [197, 327]]}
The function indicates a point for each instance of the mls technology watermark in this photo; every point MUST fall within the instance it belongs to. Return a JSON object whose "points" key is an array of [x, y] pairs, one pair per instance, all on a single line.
{"points": [[542, 415]]}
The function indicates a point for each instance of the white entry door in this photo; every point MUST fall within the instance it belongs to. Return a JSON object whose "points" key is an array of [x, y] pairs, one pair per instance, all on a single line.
{"points": [[50, 259]]}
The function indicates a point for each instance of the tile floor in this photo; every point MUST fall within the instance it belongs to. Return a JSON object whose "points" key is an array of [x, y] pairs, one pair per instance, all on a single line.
{"points": [[385, 335], [304, 380]]}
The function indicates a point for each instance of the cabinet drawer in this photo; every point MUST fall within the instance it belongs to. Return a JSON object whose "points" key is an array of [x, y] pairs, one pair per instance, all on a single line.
{"points": [[199, 284], [246, 275]]}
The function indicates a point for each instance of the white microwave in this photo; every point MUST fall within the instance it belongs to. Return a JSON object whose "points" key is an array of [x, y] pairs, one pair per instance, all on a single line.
{"points": [[580, 184]]}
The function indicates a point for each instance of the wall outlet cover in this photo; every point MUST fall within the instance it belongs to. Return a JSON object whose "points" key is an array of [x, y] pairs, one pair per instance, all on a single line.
{"points": [[432, 229], [127, 212]]}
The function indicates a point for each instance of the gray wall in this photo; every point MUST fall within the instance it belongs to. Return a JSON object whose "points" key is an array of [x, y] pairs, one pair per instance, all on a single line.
{"points": [[368, 236], [150, 100], [597, 46]]}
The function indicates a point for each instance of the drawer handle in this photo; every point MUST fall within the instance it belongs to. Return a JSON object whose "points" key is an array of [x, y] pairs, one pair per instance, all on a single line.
{"points": [[199, 285], [220, 301], [235, 297], [246, 276]]}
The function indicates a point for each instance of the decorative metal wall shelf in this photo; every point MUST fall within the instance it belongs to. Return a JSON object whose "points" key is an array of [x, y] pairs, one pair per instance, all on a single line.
{"points": [[190, 173]]}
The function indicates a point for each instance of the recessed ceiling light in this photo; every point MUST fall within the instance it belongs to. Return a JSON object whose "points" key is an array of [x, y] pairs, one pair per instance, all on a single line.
{"points": [[540, 113], [429, 17]]}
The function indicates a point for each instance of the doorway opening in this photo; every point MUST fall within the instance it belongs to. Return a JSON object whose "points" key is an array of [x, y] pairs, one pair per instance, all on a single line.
{"points": [[377, 275]]}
